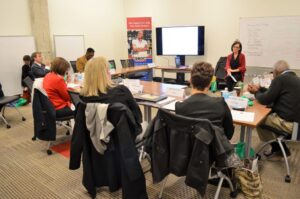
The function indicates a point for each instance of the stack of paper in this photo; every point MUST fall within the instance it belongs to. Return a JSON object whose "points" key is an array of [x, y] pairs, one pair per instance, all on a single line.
{"points": [[242, 116]]}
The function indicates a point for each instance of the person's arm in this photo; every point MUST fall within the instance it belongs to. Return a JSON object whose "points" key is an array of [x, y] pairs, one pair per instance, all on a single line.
{"points": [[38, 71], [63, 90], [80, 65], [269, 96], [228, 122]]}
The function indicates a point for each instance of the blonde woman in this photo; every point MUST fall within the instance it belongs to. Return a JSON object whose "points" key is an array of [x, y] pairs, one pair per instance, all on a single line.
{"points": [[98, 87]]}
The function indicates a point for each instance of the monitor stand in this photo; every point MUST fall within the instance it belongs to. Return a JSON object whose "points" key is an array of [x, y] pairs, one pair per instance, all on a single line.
{"points": [[180, 61]]}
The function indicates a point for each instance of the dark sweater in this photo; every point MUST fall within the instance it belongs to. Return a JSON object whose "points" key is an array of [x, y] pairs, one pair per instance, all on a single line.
{"points": [[203, 106], [26, 71], [118, 94], [283, 95]]}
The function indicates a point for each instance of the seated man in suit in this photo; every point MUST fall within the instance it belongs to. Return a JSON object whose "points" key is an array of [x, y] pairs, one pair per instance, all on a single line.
{"points": [[284, 99], [81, 61], [200, 105], [37, 68]]}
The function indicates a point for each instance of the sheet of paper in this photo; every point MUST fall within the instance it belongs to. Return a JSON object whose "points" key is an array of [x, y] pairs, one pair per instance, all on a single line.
{"points": [[170, 106], [242, 116], [166, 101], [72, 85]]}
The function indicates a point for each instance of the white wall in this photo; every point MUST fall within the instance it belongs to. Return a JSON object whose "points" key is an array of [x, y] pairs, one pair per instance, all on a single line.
{"points": [[102, 22], [14, 18], [220, 18]]}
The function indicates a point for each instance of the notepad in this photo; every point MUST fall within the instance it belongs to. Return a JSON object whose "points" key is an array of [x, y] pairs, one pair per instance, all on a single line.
{"points": [[170, 106], [242, 116]]}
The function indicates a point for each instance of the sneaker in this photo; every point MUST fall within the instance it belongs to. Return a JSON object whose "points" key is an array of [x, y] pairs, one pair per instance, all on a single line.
{"points": [[273, 155]]}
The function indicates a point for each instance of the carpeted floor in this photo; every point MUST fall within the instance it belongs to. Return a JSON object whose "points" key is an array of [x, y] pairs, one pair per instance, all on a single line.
{"points": [[26, 171]]}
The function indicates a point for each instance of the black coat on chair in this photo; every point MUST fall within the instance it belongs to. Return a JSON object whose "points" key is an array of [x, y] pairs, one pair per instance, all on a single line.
{"points": [[43, 117], [119, 165]]}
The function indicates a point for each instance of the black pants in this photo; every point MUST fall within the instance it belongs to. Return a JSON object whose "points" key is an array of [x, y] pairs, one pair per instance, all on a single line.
{"points": [[64, 112], [230, 82]]}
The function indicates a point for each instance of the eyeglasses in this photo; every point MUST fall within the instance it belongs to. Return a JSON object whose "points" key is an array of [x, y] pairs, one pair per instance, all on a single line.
{"points": [[236, 47]]}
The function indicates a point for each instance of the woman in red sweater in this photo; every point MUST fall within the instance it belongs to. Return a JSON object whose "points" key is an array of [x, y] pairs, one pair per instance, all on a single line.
{"points": [[56, 87], [235, 65]]}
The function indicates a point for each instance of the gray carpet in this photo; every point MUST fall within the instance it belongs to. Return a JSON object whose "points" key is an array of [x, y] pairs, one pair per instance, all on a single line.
{"points": [[26, 171]]}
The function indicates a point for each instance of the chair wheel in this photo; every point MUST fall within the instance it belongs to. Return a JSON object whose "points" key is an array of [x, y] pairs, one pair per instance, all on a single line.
{"points": [[49, 152], [23, 119], [233, 194], [8, 126], [287, 179], [33, 138]]}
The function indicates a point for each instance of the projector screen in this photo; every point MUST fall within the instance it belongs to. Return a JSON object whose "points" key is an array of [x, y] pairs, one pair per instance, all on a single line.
{"points": [[187, 40]]}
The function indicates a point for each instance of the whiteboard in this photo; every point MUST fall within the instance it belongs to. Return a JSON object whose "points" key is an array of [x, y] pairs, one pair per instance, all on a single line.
{"points": [[268, 39], [69, 47], [12, 50]]}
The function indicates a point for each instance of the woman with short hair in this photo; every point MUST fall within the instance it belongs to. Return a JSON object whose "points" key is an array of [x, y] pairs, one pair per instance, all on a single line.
{"points": [[56, 87]]}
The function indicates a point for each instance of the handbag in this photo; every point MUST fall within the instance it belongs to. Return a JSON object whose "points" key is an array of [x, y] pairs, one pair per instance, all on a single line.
{"points": [[249, 181]]}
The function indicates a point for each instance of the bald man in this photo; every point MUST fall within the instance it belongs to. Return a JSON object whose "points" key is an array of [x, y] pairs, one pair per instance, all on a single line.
{"points": [[284, 98]]}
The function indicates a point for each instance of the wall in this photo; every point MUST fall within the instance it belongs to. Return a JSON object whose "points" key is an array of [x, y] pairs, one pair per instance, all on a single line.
{"points": [[102, 22], [14, 18], [220, 18]]}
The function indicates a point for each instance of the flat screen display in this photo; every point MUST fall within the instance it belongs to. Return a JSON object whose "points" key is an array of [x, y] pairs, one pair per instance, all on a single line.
{"points": [[185, 40]]}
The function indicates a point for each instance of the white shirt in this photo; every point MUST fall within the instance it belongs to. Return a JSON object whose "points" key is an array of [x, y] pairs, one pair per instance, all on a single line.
{"points": [[140, 44]]}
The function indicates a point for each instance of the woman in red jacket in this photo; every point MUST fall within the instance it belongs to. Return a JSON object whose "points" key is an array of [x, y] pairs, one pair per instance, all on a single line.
{"points": [[235, 65], [56, 87]]}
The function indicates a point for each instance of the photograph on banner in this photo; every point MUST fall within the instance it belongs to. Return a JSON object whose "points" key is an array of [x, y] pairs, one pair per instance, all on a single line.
{"points": [[139, 37]]}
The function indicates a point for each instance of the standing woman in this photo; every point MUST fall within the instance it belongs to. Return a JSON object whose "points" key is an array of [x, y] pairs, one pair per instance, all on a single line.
{"points": [[56, 87], [235, 65]]}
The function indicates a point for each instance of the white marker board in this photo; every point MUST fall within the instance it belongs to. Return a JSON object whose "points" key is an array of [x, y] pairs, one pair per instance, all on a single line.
{"points": [[268, 39], [69, 47], [12, 50]]}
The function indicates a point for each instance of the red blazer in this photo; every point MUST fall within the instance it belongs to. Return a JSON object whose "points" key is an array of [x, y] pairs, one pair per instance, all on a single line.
{"points": [[56, 89], [242, 61]]}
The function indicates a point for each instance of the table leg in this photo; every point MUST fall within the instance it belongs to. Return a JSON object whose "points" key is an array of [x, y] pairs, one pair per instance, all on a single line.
{"points": [[242, 135], [248, 142], [162, 76], [147, 113]]}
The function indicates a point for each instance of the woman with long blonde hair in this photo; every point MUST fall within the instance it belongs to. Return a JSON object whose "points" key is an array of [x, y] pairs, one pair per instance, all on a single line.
{"points": [[98, 87]]}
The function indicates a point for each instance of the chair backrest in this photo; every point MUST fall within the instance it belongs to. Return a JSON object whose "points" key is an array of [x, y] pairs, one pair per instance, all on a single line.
{"points": [[28, 82], [73, 65], [296, 132], [112, 64], [75, 98], [220, 72], [127, 63], [1, 91]]}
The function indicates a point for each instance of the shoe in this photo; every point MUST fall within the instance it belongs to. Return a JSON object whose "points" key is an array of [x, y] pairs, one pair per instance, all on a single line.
{"points": [[273, 155]]}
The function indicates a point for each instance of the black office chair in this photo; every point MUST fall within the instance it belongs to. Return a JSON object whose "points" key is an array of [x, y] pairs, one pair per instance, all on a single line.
{"points": [[282, 138], [73, 65], [74, 97], [130, 63], [165, 128], [112, 64], [45, 120], [220, 73], [4, 101], [28, 82]]}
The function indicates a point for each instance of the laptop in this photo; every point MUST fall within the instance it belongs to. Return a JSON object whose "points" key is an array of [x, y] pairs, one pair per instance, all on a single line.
{"points": [[149, 97]]}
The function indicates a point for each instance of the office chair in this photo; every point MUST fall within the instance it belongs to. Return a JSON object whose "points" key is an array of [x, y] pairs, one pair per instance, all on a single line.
{"points": [[282, 138], [29, 83], [220, 73], [130, 63], [112, 64], [73, 65], [74, 97], [5, 100], [45, 120], [168, 129]]}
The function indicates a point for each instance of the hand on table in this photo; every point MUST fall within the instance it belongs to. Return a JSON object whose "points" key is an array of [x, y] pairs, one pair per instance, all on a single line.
{"points": [[252, 88]]}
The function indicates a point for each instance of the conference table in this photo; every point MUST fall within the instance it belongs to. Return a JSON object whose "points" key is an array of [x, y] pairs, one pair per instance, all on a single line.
{"points": [[157, 88], [172, 69]]}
